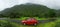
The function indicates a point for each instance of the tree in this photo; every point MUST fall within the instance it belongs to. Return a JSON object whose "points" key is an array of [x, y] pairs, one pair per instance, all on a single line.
{"points": [[29, 10], [52, 13], [14, 15]]}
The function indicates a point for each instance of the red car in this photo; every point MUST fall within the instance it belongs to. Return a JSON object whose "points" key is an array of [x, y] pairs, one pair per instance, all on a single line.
{"points": [[30, 21]]}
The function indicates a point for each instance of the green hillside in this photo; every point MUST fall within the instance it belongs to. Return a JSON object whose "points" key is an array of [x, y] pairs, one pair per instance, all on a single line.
{"points": [[29, 10]]}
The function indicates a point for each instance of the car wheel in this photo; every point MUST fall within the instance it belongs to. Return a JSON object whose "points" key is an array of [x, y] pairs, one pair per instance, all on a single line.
{"points": [[35, 24], [24, 24]]}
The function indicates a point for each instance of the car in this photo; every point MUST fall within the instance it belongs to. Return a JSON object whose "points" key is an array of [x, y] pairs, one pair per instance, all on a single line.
{"points": [[30, 21]]}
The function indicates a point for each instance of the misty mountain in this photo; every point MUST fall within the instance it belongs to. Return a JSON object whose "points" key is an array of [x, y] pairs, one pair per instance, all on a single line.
{"points": [[29, 9]]}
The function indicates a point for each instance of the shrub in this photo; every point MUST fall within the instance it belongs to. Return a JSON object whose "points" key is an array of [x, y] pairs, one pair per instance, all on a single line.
{"points": [[6, 24], [58, 24]]}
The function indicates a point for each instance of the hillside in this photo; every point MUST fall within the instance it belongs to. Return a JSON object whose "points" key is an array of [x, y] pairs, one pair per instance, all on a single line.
{"points": [[29, 10]]}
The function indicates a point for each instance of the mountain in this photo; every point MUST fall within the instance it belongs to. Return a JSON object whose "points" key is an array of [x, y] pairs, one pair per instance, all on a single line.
{"points": [[27, 9]]}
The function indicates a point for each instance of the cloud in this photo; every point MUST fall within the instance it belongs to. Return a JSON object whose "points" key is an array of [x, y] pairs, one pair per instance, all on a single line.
{"points": [[10, 3], [2, 6], [50, 3]]}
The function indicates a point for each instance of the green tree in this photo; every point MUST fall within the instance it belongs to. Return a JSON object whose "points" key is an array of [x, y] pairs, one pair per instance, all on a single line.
{"points": [[29, 10]]}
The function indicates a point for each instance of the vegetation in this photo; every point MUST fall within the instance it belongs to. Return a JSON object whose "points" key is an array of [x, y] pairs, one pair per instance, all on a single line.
{"points": [[48, 24], [29, 10], [23, 11], [23, 18], [4, 23]]}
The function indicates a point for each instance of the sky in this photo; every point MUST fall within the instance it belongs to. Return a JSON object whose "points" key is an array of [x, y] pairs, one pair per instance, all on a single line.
{"points": [[10, 3]]}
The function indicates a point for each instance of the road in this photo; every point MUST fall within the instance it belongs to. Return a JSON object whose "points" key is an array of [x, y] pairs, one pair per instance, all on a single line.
{"points": [[3, 18], [40, 21], [19, 21]]}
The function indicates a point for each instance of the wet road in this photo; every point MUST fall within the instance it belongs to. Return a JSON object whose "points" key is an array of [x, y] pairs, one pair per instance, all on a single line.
{"points": [[19, 21], [40, 21]]}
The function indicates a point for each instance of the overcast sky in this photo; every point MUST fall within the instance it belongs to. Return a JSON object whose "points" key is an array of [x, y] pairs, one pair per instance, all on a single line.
{"points": [[10, 3]]}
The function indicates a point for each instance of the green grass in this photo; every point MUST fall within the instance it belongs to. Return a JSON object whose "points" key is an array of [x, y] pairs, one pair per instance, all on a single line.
{"points": [[7, 24], [22, 18], [3, 21], [49, 24]]}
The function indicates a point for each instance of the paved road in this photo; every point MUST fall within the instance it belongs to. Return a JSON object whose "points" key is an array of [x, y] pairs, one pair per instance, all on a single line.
{"points": [[40, 21], [19, 21], [3, 18]]}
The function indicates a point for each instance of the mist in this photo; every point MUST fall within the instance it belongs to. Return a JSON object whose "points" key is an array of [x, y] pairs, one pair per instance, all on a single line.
{"points": [[55, 4]]}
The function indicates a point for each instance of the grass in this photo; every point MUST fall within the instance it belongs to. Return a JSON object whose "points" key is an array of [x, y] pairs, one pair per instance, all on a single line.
{"points": [[7, 24], [49, 24], [3, 21], [22, 18]]}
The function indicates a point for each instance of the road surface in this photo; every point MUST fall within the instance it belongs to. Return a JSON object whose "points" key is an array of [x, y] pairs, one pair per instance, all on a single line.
{"points": [[19, 21]]}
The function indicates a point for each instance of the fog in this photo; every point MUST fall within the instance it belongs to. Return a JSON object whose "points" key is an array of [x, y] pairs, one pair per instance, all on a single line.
{"points": [[10, 3]]}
